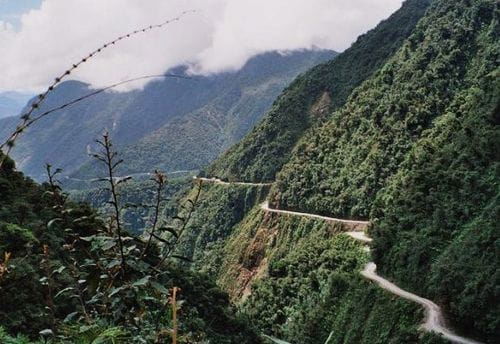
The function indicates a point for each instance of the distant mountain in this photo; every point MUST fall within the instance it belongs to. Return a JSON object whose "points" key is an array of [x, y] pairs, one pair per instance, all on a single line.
{"points": [[11, 103], [173, 124]]}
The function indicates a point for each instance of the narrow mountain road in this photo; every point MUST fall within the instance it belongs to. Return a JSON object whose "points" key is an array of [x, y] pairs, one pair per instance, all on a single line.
{"points": [[221, 182], [358, 225], [434, 316], [434, 320]]}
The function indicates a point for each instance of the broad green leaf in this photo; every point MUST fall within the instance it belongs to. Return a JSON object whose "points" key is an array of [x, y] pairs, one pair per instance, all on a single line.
{"points": [[115, 291], [70, 317], [65, 290], [46, 333], [159, 288], [52, 222], [59, 270], [142, 282]]}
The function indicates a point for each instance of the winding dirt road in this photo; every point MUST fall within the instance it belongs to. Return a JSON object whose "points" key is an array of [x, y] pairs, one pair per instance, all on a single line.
{"points": [[359, 226], [434, 317], [434, 320], [221, 182]]}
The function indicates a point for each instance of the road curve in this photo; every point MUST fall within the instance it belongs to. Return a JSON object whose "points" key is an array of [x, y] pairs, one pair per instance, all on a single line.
{"points": [[265, 206], [434, 319]]}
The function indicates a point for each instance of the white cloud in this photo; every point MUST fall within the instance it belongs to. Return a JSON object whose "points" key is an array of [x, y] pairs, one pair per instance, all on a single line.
{"points": [[222, 35]]}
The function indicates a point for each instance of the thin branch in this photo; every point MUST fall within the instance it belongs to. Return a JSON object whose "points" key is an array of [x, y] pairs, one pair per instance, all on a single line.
{"points": [[26, 117], [109, 156], [159, 178]]}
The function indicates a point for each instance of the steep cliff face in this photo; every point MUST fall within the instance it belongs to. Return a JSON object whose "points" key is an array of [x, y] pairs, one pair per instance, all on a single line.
{"points": [[413, 149]]}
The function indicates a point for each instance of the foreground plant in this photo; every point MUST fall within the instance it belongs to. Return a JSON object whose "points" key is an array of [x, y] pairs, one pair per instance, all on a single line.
{"points": [[113, 277]]}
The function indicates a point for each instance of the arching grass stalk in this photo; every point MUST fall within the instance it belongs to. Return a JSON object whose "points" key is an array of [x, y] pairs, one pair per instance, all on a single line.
{"points": [[27, 117], [35, 119]]}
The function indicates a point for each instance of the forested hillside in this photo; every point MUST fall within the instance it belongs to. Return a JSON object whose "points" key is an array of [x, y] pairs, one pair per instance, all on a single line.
{"points": [[310, 99], [397, 140], [414, 149], [172, 124], [61, 281]]}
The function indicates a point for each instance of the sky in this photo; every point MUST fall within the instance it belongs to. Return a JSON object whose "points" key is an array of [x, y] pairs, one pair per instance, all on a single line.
{"points": [[12, 10], [39, 39]]}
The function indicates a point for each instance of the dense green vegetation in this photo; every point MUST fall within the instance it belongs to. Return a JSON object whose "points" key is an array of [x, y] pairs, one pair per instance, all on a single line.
{"points": [[311, 98], [220, 209], [301, 294], [339, 169], [415, 148], [315, 290], [137, 193], [61, 274], [438, 228], [402, 129]]}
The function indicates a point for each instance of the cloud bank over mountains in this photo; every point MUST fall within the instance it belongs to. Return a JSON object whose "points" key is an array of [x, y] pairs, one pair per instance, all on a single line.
{"points": [[221, 35]]}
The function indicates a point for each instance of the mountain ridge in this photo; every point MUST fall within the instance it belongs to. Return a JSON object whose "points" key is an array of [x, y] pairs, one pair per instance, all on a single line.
{"points": [[135, 115]]}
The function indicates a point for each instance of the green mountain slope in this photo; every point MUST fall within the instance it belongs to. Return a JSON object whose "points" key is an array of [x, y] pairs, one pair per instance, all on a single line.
{"points": [[415, 148], [411, 145], [311, 98], [173, 124], [295, 278]]}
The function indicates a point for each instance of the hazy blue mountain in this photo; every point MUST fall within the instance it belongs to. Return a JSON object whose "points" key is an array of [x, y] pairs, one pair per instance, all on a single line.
{"points": [[172, 124], [11, 103]]}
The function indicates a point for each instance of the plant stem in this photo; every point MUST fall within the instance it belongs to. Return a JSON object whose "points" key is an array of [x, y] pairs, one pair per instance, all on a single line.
{"points": [[109, 164]]}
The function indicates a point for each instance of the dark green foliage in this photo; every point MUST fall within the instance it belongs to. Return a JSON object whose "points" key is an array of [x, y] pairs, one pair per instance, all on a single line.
{"points": [[64, 274], [310, 283], [412, 145], [440, 212], [312, 96], [340, 169], [315, 288], [221, 208], [25, 210], [296, 301], [416, 150]]}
